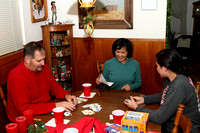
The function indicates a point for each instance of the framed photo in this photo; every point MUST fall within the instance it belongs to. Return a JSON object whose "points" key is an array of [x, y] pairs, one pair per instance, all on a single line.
{"points": [[109, 14], [38, 10], [149, 4]]}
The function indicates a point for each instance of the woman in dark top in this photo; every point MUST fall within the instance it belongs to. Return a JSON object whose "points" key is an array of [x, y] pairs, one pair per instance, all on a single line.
{"points": [[178, 89]]}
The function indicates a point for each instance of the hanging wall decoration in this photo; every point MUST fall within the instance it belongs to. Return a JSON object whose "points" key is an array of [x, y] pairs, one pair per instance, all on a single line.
{"points": [[149, 4], [110, 14], [38, 10]]}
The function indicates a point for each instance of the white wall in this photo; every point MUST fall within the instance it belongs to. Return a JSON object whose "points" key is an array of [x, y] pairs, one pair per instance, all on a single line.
{"points": [[146, 23]]}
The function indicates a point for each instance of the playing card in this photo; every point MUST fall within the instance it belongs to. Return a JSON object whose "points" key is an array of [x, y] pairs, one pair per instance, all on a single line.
{"points": [[88, 112], [80, 100], [67, 113]]}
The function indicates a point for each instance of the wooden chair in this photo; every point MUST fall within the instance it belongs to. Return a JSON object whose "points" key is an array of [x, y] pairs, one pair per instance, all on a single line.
{"points": [[198, 88], [3, 107], [182, 120], [99, 68], [3, 94], [99, 71]]}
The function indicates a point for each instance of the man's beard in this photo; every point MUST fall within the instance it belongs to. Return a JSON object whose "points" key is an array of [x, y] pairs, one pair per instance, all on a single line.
{"points": [[39, 68]]}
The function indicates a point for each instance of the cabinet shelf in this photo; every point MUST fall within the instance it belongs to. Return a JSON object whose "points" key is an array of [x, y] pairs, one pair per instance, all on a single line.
{"points": [[57, 41], [61, 57], [60, 45]]}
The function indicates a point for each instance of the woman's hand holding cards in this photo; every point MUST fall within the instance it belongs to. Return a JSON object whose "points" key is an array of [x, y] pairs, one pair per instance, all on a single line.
{"points": [[133, 102], [138, 100]]}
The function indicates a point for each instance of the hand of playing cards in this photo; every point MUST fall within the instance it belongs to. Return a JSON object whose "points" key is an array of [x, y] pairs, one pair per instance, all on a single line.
{"points": [[102, 79], [128, 99]]}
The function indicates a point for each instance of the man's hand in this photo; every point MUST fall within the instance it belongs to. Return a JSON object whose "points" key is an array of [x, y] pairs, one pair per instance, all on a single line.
{"points": [[67, 105], [72, 99], [126, 87]]}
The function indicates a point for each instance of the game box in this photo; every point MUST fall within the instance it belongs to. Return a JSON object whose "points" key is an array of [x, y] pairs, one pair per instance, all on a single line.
{"points": [[134, 122]]}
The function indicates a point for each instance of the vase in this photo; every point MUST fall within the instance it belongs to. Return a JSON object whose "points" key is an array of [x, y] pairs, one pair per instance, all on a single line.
{"points": [[89, 29]]}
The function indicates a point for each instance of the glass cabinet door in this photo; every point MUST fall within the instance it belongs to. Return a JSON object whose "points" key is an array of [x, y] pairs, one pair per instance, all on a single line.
{"points": [[61, 57]]}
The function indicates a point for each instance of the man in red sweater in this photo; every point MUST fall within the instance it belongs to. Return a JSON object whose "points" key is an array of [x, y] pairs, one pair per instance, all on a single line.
{"points": [[31, 84]]}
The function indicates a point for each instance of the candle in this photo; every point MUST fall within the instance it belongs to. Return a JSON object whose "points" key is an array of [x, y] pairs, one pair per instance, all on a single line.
{"points": [[22, 124], [29, 116], [11, 128]]}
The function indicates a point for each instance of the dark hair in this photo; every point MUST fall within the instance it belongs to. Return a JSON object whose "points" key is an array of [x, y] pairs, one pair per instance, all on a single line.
{"points": [[31, 47], [122, 42], [52, 2], [171, 59]]}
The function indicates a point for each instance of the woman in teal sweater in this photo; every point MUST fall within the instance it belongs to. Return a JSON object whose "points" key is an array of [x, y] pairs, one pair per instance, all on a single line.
{"points": [[123, 70]]}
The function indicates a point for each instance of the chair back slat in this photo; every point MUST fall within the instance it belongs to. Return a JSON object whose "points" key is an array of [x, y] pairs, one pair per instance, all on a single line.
{"points": [[2, 96], [99, 68], [198, 88], [182, 120]]}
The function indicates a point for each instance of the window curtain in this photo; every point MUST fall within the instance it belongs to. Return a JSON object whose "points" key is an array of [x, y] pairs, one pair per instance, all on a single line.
{"points": [[10, 27], [179, 10]]}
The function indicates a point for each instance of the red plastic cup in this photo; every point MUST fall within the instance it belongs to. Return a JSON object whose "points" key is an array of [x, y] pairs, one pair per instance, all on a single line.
{"points": [[22, 124], [11, 128], [29, 116], [70, 130], [117, 116], [87, 89], [59, 114]]}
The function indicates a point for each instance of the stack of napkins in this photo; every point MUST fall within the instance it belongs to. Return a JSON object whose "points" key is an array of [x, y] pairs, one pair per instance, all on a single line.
{"points": [[52, 122]]}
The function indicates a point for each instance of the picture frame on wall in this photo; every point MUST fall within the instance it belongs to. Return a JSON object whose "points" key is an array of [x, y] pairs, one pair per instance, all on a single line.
{"points": [[110, 14], [38, 10], [149, 4]]}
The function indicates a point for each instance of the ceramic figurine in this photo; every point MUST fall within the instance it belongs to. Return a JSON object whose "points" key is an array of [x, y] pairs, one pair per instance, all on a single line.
{"points": [[62, 76], [54, 11], [66, 41], [55, 40], [47, 22], [59, 53]]}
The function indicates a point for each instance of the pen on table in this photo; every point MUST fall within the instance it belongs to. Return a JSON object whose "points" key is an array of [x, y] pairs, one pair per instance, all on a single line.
{"points": [[37, 119], [99, 93]]}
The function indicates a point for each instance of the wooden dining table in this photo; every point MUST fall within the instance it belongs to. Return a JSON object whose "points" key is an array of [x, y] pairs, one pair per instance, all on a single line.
{"points": [[109, 99]]}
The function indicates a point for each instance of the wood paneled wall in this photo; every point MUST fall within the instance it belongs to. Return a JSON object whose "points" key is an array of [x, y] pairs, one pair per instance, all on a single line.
{"points": [[87, 51], [7, 63]]}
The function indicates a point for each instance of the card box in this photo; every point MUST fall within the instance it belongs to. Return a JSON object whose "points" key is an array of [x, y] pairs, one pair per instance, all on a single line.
{"points": [[134, 122], [114, 128]]}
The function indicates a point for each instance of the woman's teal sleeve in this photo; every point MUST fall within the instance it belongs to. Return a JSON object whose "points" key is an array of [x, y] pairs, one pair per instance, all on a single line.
{"points": [[105, 74], [138, 81]]}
